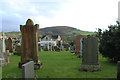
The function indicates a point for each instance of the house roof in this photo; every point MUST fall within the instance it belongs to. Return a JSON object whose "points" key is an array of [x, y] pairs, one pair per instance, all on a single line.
{"points": [[14, 35], [43, 36], [54, 36]]}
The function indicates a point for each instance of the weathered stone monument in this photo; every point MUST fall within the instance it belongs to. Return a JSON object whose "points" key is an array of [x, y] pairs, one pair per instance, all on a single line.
{"points": [[28, 70], [4, 54], [90, 54], [4, 58], [29, 46], [2, 42], [78, 46], [9, 45], [18, 50]]}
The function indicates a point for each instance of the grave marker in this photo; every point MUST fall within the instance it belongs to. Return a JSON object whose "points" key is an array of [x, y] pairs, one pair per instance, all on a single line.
{"points": [[9, 45], [90, 54], [2, 42], [118, 70], [29, 44], [78, 46], [28, 70]]}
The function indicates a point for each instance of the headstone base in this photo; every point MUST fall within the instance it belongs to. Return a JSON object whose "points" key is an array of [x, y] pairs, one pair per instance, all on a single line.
{"points": [[36, 65], [90, 68], [2, 62]]}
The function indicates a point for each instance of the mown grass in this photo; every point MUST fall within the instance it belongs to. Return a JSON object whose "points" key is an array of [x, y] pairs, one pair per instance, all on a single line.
{"points": [[60, 65]]}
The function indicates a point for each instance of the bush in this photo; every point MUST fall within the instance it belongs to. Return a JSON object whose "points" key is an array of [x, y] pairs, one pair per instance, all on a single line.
{"points": [[110, 43]]}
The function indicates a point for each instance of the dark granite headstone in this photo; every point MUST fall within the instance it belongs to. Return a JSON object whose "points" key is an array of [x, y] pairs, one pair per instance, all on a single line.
{"points": [[18, 50], [90, 54], [118, 70]]}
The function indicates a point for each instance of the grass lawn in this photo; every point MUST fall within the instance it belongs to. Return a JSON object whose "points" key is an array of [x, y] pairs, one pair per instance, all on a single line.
{"points": [[60, 65]]}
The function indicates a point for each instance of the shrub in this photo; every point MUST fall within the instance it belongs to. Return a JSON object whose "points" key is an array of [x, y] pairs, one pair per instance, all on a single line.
{"points": [[110, 43]]}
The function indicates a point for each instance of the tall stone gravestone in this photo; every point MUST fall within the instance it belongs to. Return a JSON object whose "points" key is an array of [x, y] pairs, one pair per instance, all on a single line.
{"points": [[9, 45], [29, 44], [90, 54], [78, 46]]}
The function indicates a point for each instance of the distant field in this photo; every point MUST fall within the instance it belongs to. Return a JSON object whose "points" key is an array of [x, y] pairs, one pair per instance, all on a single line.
{"points": [[60, 65], [81, 32], [13, 32]]}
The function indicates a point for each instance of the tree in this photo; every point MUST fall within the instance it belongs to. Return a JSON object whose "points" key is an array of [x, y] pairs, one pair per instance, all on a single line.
{"points": [[110, 43]]}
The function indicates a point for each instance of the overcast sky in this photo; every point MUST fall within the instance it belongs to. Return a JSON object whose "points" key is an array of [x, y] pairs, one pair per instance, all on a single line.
{"points": [[81, 14]]}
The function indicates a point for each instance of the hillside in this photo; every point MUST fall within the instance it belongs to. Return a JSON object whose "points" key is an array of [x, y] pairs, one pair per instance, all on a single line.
{"points": [[62, 30]]}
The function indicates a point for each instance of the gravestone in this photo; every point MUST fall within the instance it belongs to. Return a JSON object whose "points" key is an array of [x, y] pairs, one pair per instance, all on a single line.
{"points": [[118, 70], [9, 45], [119, 12], [1, 59], [28, 70], [81, 47], [90, 54], [78, 46], [29, 46], [39, 47], [2, 42], [4, 58], [18, 50], [62, 48]]}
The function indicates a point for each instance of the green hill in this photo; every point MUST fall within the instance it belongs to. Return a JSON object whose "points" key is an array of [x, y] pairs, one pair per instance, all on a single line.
{"points": [[62, 30], [59, 30]]}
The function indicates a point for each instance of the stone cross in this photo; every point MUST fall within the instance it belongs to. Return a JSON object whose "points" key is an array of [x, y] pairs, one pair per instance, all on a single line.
{"points": [[9, 45], [29, 44], [28, 70], [90, 54], [2, 42]]}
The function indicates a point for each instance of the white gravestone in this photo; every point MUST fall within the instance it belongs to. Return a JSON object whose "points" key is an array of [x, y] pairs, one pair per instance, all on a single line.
{"points": [[2, 41], [28, 70], [119, 11], [81, 47]]}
